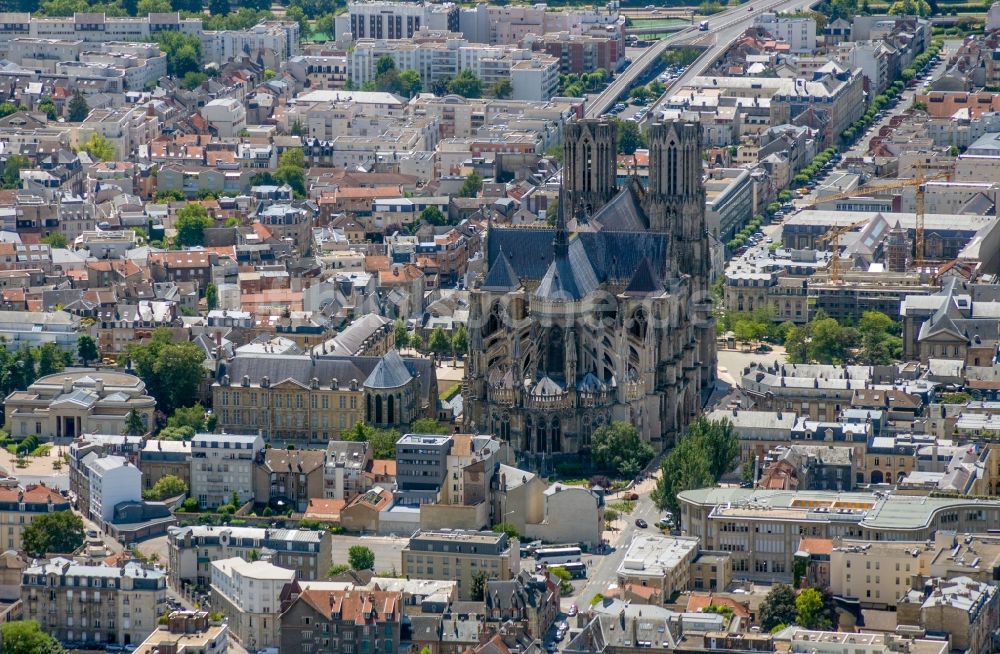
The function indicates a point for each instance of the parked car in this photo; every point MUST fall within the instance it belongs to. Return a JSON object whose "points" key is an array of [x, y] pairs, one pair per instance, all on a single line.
{"points": [[573, 610], [632, 496]]}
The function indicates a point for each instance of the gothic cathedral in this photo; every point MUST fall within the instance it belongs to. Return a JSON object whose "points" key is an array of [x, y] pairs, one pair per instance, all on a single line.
{"points": [[607, 316]]}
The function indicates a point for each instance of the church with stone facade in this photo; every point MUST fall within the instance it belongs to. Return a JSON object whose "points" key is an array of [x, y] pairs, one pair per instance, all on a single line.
{"points": [[605, 317]]}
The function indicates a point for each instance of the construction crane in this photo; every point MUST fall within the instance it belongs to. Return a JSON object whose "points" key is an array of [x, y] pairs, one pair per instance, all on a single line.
{"points": [[834, 237], [919, 181]]}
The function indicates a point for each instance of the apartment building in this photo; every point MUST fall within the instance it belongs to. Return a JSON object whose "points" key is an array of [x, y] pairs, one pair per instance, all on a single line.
{"points": [[221, 465], [798, 31], [19, 506], [762, 528], [248, 592], [274, 41], [187, 632], [192, 549], [112, 480], [361, 621], [395, 20], [94, 27], [421, 467], [159, 458], [93, 605], [583, 53], [658, 562], [344, 475], [125, 128], [961, 608], [461, 555], [295, 476]]}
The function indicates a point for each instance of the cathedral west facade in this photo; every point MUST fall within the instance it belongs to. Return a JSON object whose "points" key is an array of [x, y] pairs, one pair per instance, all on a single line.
{"points": [[607, 316]]}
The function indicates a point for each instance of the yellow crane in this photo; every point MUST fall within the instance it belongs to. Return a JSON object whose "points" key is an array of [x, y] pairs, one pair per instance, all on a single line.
{"points": [[834, 237], [919, 181]]}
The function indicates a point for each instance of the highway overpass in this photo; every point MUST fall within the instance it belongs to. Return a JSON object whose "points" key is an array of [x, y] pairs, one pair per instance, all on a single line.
{"points": [[723, 29]]}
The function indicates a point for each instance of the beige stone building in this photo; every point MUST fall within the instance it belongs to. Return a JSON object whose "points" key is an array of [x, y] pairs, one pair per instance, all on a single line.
{"points": [[295, 476], [94, 604], [187, 632], [190, 551], [658, 562], [461, 555], [249, 594], [313, 399], [967, 611], [20, 506], [762, 528], [68, 404]]}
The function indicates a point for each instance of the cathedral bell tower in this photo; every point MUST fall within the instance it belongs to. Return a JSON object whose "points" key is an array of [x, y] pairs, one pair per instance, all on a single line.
{"points": [[590, 166], [675, 202]]}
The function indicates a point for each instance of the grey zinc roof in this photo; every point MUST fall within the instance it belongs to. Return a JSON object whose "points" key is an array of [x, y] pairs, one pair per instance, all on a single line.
{"points": [[614, 256], [570, 277], [391, 372], [501, 276]]}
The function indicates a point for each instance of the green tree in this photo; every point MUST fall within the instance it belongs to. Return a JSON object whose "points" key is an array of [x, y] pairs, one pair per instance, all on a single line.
{"points": [[211, 296], [479, 585], [639, 95], [12, 170], [26, 637], [416, 341], [146, 7], [718, 439], [361, 558], [50, 359], [400, 335], [59, 532], [409, 83], [809, 610], [171, 371], [293, 157], [218, 7], [564, 577], [955, 398], [425, 426], [434, 216], [7, 108], [176, 434], [192, 221], [439, 342], [191, 416], [86, 349], [724, 610], [183, 51], [383, 441], [337, 569], [880, 341], [619, 448], [165, 487], [98, 147], [506, 528], [466, 84], [134, 425], [501, 89], [460, 340], [472, 186], [55, 240], [193, 79], [630, 137], [77, 108], [686, 467], [778, 607]]}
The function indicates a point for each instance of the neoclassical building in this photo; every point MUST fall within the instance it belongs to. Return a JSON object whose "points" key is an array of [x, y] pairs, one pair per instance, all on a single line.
{"points": [[606, 316], [69, 404]]}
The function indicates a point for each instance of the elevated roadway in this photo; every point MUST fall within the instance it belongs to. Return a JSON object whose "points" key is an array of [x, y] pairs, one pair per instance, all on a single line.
{"points": [[723, 28]]}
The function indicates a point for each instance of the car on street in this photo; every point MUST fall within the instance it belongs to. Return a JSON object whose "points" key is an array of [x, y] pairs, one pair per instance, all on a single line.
{"points": [[640, 523], [573, 610]]}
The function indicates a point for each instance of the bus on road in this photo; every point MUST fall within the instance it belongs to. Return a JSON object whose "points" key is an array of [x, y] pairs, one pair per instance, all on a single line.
{"points": [[557, 555], [575, 570]]}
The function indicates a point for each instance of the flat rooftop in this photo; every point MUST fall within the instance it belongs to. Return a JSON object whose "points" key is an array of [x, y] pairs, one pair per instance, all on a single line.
{"points": [[651, 555]]}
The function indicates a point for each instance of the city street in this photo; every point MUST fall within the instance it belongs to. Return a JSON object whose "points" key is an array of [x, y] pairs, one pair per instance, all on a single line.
{"points": [[602, 571]]}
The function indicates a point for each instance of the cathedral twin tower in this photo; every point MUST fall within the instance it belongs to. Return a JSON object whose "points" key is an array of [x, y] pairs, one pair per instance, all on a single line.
{"points": [[542, 373]]}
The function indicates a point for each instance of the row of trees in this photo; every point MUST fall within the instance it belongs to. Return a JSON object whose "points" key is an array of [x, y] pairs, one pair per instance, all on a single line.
{"points": [[813, 168], [707, 451], [575, 85], [439, 342], [745, 233]]}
